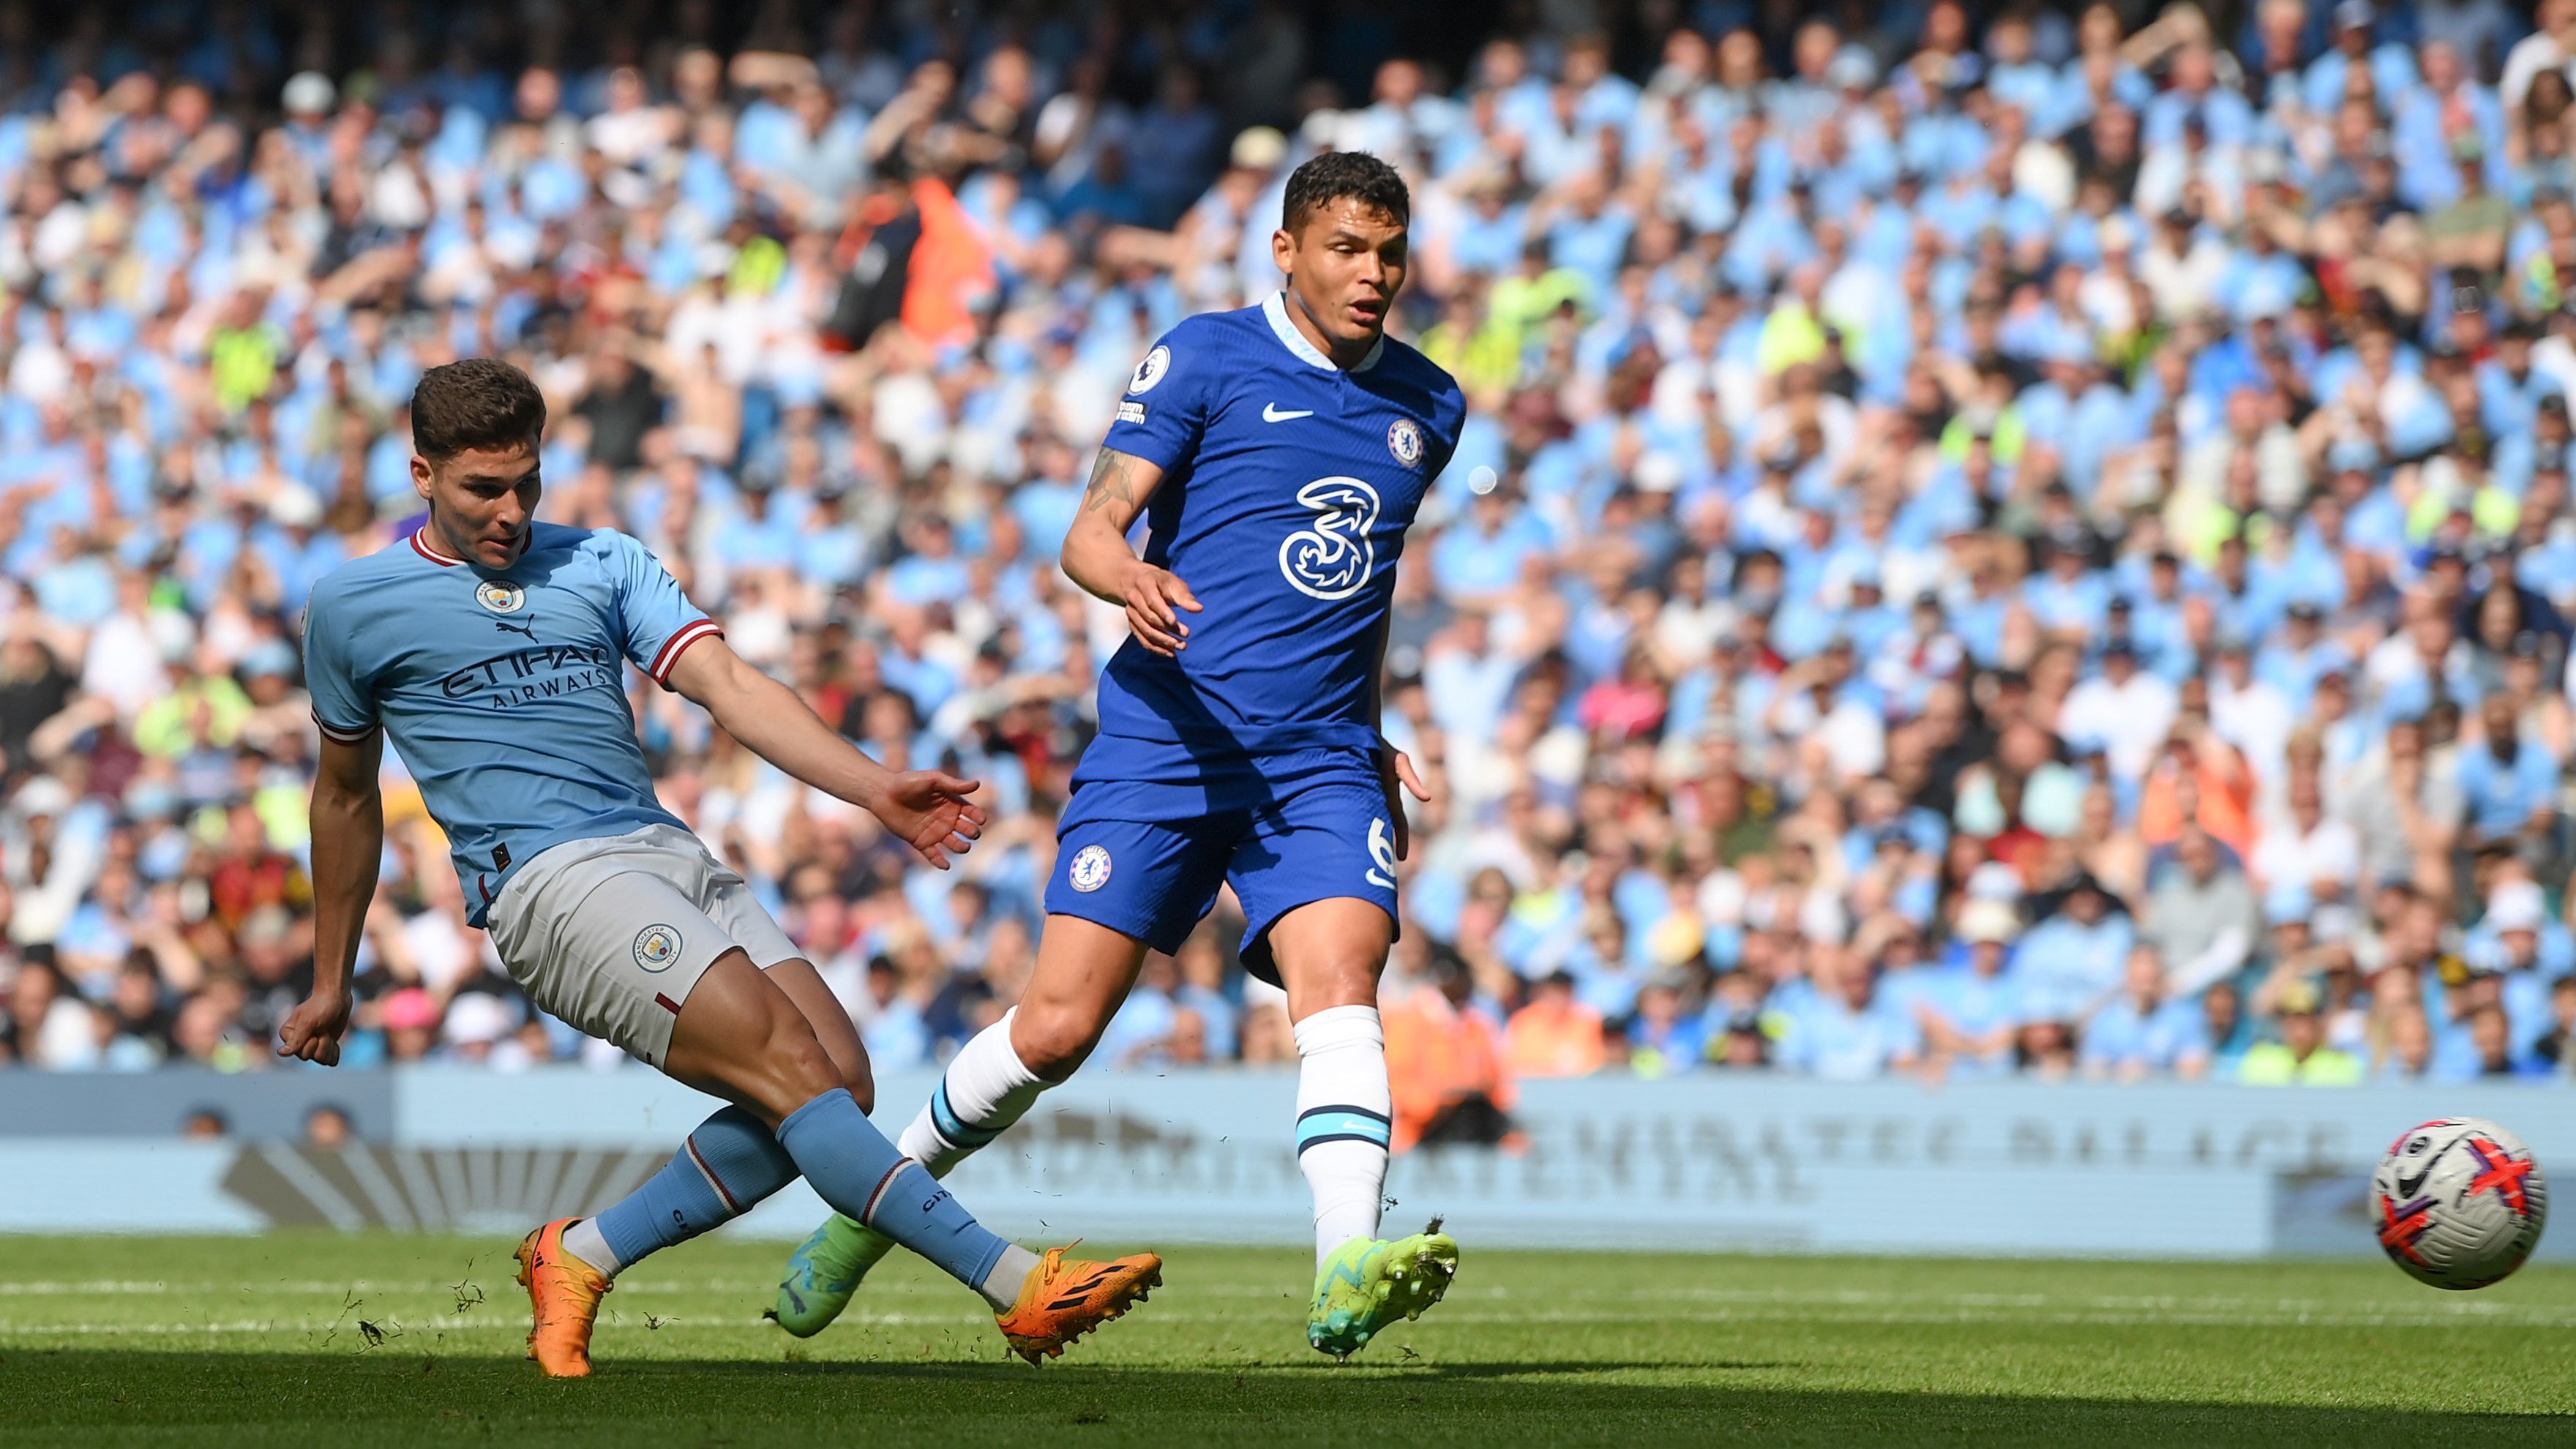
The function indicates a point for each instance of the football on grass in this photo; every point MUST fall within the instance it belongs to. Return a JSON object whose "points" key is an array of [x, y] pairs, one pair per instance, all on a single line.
{"points": [[2458, 1202]]}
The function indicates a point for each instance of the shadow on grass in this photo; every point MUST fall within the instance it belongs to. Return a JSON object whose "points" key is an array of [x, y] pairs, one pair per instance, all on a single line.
{"points": [[392, 1396]]}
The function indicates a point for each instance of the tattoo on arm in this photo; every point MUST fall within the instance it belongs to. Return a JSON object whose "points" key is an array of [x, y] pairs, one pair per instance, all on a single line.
{"points": [[1110, 484]]}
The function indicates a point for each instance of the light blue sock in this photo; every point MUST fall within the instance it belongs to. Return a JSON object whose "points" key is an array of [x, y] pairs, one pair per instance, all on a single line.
{"points": [[724, 1167], [855, 1169]]}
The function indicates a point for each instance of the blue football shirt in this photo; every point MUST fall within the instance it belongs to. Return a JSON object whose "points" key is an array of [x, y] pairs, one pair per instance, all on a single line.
{"points": [[1288, 484], [502, 688]]}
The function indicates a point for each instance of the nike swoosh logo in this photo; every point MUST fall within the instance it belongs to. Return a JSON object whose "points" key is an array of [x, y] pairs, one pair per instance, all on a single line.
{"points": [[1273, 413], [2408, 1186]]}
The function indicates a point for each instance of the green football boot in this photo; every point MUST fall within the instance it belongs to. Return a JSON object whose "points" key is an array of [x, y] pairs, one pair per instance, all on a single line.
{"points": [[825, 1271], [1369, 1283]]}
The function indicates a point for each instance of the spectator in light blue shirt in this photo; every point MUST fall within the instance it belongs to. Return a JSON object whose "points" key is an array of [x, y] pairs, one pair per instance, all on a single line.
{"points": [[821, 152], [1468, 680], [892, 1028], [1972, 1012], [2480, 1047], [2144, 1031], [1145, 1021], [2301, 656], [2073, 960], [2071, 597], [1843, 1033], [932, 573], [1486, 236], [76, 586], [2540, 445], [2510, 389], [2017, 77], [2509, 783], [2194, 93], [831, 551], [1591, 235], [1485, 557], [756, 532], [2391, 66], [1201, 990]]}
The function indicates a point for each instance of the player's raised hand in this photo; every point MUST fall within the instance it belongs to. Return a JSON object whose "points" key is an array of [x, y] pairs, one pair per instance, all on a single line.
{"points": [[313, 1030], [1395, 765], [1154, 600], [929, 809]]}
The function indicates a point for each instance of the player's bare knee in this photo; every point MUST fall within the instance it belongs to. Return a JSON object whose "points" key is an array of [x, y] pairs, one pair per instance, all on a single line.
{"points": [[797, 1065], [1336, 978], [1056, 1056], [1053, 1042], [804, 1064]]}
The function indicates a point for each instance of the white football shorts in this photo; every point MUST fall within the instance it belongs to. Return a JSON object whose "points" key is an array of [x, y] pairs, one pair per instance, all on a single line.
{"points": [[611, 934]]}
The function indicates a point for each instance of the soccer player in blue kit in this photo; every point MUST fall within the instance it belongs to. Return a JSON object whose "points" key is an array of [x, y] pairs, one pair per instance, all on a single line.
{"points": [[491, 648], [1278, 454]]}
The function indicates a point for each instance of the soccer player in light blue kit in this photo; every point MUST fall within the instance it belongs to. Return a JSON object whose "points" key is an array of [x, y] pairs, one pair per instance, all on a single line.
{"points": [[1278, 454], [492, 649]]}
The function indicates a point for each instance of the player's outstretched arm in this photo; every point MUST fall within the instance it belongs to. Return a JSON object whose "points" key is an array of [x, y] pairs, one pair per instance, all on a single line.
{"points": [[928, 808], [348, 820], [1097, 557]]}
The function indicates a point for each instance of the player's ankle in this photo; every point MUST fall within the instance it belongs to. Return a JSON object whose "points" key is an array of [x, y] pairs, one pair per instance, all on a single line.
{"points": [[1010, 1277]]}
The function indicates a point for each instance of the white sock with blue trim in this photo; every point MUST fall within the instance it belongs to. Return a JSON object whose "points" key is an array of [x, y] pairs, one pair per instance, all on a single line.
{"points": [[1344, 1120], [985, 1089]]}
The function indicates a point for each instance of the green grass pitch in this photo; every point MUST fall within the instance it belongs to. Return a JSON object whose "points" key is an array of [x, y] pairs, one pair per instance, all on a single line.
{"points": [[381, 1340]]}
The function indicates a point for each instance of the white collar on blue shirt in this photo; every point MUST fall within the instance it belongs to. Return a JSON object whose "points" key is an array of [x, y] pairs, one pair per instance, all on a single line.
{"points": [[1275, 307]]}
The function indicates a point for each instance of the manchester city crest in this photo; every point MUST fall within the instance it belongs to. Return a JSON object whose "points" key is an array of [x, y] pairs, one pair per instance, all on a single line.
{"points": [[1404, 440], [1090, 868], [656, 947], [500, 596]]}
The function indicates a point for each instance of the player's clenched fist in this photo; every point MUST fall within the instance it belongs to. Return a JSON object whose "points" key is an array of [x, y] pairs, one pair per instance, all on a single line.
{"points": [[1154, 599], [313, 1030]]}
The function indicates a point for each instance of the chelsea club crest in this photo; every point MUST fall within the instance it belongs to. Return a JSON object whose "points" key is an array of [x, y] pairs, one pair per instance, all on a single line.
{"points": [[1404, 440], [1090, 868]]}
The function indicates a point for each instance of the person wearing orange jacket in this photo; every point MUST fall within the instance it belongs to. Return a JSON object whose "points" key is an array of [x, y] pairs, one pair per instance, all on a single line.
{"points": [[1444, 1062], [1555, 1035]]}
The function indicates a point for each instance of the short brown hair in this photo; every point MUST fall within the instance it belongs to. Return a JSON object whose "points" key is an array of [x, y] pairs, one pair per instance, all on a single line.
{"points": [[480, 402]]}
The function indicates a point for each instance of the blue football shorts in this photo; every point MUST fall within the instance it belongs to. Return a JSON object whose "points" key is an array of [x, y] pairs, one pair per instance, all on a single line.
{"points": [[1156, 880]]}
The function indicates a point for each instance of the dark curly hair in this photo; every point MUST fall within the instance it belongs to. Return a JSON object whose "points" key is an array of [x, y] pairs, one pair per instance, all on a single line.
{"points": [[1356, 174], [481, 402]]}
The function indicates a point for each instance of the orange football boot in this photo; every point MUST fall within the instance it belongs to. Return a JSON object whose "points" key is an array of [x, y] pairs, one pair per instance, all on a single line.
{"points": [[1064, 1300], [565, 1292]]}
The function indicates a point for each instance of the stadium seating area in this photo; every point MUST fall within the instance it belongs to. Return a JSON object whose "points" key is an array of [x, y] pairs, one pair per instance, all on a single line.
{"points": [[2036, 544]]}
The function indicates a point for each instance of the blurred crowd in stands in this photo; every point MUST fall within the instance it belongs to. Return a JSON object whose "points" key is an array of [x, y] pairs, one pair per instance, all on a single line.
{"points": [[2022, 541]]}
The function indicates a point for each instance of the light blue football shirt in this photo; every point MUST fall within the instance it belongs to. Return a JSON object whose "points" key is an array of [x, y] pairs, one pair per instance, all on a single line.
{"points": [[501, 687]]}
